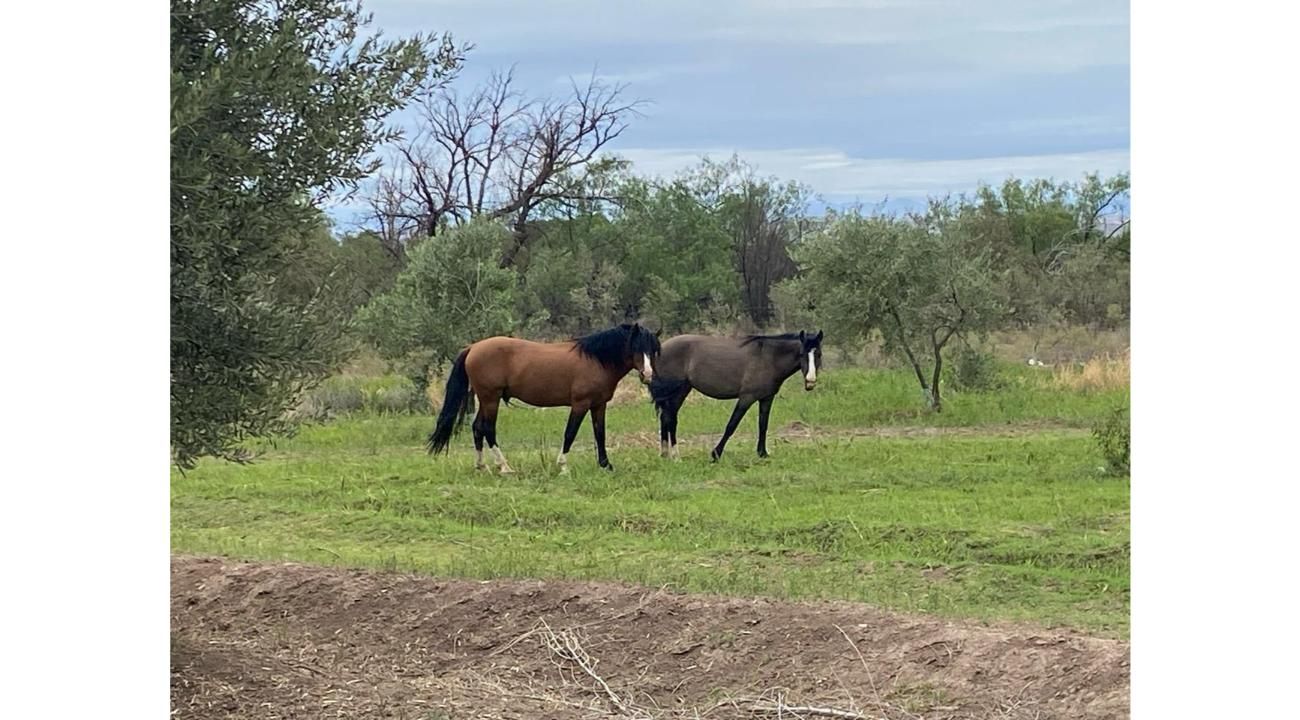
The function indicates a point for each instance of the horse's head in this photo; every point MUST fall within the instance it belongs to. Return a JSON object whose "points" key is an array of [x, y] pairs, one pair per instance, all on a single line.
{"points": [[810, 357], [643, 351]]}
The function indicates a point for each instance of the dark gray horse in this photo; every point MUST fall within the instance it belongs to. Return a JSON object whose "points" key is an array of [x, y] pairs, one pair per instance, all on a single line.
{"points": [[749, 369]]}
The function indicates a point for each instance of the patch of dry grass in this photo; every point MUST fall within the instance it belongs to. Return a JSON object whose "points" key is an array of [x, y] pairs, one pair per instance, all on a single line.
{"points": [[1102, 372]]}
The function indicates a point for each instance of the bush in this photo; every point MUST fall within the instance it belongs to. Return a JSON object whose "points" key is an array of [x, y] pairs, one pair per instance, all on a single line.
{"points": [[337, 395], [975, 370], [398, 399], [450, 294], [1112, 436]]}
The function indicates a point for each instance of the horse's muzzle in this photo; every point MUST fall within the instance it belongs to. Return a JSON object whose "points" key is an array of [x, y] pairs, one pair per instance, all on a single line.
{"points": [[807, 385]]}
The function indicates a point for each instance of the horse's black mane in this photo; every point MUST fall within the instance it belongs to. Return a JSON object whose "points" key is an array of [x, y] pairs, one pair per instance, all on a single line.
{"points": [[760, 338], [609, 347]]}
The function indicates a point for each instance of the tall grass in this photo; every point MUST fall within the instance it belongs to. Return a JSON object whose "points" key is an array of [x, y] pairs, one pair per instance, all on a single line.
{"points": [[1103, 372]]}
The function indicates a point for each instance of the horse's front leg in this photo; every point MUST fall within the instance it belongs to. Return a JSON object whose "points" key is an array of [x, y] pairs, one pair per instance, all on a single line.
{"points": [[488, 411], [576, 414], [738, 414], [598, 429], [764, 408]]}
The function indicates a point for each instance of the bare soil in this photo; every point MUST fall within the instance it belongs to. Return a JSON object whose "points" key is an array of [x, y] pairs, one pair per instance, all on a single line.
{"points": [[256, 640]]}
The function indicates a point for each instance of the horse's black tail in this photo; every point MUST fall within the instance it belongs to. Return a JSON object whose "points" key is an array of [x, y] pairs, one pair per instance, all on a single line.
{"points": [[662, 390], [457, 401]]}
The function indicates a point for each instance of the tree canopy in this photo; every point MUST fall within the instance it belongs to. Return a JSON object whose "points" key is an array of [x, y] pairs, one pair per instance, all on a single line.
{"points": [[275, 107]]}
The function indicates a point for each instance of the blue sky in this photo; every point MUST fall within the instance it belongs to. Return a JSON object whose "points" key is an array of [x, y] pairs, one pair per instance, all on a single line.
{"points": [[860, 100]]}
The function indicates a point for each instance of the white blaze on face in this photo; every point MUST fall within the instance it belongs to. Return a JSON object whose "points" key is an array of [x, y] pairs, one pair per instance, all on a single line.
{"points": [[649, 371], [811, 377]]}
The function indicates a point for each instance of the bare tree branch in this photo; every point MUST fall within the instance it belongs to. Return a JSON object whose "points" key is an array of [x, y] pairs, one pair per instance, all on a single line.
{"points": [[497, 153]]}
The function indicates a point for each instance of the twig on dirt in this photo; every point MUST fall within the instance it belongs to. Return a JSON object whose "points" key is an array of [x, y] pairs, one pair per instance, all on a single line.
{"points": [[870, 679], [779, 708], [566, 646], [325, 549], [516, 641]]}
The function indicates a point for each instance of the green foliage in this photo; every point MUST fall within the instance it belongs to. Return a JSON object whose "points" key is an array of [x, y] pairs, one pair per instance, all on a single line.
{"points": [[1113, 439], [450, 294], [917, 281], [975, 370], [274, 106], [669, 234], [344, 395], [1063, 262]]}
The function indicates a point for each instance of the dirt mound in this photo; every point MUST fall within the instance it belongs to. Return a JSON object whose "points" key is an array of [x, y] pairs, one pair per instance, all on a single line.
{"points": [[287, 640]]}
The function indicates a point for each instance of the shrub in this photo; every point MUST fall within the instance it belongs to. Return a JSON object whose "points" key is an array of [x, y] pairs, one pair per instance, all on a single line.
{"points": [[1112, 436], [398, 399], [337, 395], [975, 370]]}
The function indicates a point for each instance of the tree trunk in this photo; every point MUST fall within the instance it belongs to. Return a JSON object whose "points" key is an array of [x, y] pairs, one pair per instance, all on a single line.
{"points": [[907, 350], [518, 241], [936, 402]]}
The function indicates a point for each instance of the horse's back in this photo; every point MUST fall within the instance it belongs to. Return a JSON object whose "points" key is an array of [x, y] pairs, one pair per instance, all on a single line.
{"points": [[713, 365], [540, 374]]}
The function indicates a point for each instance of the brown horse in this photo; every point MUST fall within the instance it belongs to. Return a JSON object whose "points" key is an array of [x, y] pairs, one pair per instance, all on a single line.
{"points": [[581, 373], [750, 369]]}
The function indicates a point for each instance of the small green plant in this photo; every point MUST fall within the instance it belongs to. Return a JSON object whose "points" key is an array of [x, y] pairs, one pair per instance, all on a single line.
{"points": [[975, 370], [1112, 436]]}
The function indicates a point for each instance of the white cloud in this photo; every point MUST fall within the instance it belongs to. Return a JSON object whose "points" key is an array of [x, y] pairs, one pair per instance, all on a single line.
{"points": [[834, 174], [1010, 35], [645, 75]]}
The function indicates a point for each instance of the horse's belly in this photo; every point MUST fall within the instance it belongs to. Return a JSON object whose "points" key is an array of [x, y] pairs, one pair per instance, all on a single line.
{"points": [[541, 395], [715, 390]]}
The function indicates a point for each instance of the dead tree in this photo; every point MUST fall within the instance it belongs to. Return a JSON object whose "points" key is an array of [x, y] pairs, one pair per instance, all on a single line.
{"points": [[763, 228], [499, 154]]}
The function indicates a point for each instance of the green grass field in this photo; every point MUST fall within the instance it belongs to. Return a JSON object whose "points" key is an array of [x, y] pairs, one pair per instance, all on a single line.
{"points": [[977, 524]]}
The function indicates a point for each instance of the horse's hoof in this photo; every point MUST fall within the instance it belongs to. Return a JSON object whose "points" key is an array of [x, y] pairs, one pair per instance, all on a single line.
{"points": [[564, 469], [762, 454], [713, 456], [507, 470], [608, 466]]}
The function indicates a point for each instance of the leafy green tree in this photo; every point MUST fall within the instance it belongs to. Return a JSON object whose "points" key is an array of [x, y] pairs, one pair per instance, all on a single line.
{"points": [[452, 292], [274, 107], [918, 281], [368, 269], [671, 239], [1064, 246]]}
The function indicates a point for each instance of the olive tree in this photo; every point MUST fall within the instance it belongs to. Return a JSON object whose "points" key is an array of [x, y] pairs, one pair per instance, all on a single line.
{"points": [[919, 281], [451, 293], [275, 106]]}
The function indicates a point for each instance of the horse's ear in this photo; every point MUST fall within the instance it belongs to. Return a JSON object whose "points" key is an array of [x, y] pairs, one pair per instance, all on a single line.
{"points": [[819, 336], [636, 329], [659, 332], [802, 336]]}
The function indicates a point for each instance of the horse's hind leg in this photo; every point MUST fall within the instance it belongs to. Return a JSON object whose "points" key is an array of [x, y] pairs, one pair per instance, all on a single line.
{"points": [[477, 427], [488, 410]]}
